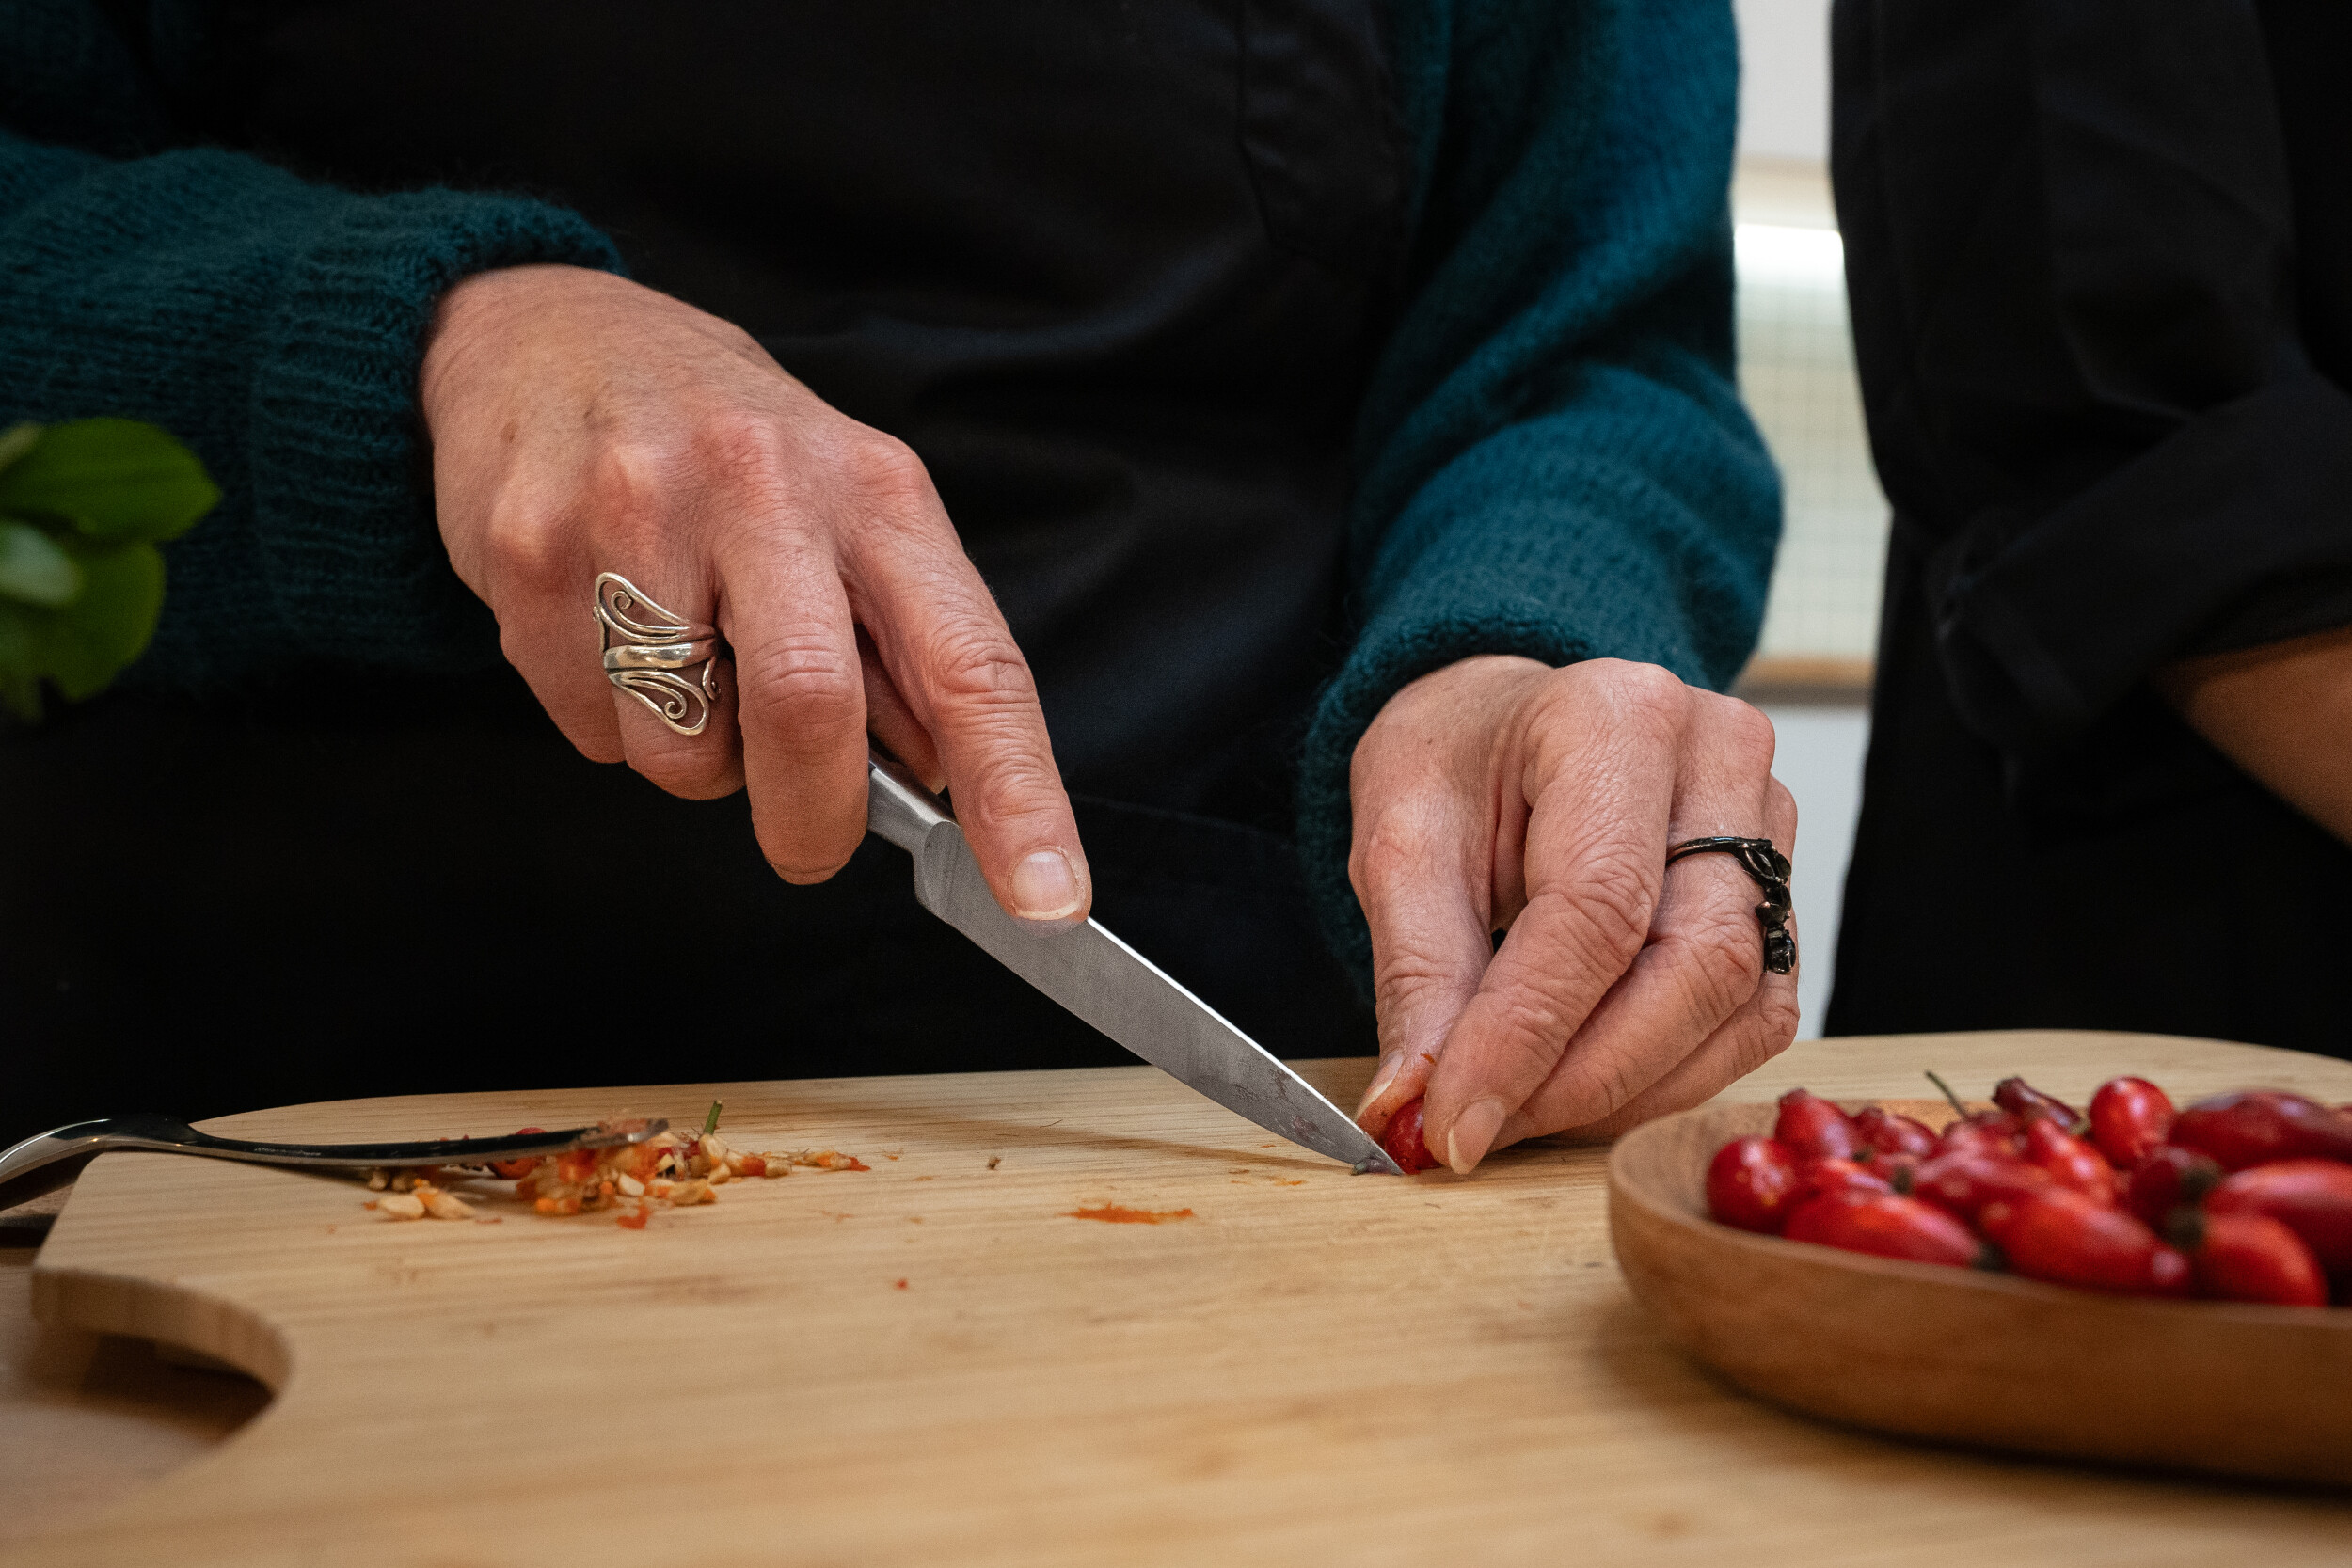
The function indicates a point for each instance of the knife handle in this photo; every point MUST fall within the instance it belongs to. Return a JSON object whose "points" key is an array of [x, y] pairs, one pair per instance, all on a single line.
{"points": [[897, 806]]}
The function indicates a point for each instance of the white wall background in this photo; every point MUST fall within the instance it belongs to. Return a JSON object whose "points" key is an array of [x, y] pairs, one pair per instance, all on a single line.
{"points": [[1784, 78]]}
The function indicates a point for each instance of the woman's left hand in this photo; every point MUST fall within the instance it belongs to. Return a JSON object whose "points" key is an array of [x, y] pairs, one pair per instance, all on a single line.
{"points": [[1503, 795]]}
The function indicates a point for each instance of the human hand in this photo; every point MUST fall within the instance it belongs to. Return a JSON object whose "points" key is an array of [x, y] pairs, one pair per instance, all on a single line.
{"points": [[1500, 793], [581, 423]]}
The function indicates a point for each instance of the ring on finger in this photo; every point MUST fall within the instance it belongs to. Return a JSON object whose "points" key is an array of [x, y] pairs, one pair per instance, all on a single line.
{"points": [[1769, 869], [655, 648]]}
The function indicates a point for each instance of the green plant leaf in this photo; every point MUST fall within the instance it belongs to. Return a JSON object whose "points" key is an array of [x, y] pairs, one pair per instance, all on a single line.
{"points": [[83, 645], [16, 441], [33, 569], [118, 480]]}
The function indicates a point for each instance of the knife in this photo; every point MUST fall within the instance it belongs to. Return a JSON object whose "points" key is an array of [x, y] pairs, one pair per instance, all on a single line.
{"points": [[1109, 984]]}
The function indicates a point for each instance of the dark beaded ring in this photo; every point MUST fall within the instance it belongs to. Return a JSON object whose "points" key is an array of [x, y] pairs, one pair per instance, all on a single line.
{"points": [[1769, 868]]}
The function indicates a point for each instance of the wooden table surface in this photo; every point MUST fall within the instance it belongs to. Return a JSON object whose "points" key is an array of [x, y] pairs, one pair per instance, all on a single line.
{"points": [[931, 1362]]}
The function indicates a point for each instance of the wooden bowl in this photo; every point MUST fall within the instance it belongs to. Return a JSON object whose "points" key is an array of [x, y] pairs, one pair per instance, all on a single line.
{"points": [[1963, 1356]]}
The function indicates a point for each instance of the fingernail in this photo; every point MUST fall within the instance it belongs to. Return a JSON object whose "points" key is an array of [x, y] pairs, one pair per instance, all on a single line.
{"points": [[1380, 1081], [1044, 887], [1473, 1133]]}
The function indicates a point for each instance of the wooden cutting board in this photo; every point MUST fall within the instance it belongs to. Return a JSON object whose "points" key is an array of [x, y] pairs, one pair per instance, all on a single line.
{"points": [[932, 1362]]}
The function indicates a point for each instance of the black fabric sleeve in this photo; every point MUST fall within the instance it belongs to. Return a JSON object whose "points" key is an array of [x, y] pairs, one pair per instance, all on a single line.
{"points": [[2071, 250]]}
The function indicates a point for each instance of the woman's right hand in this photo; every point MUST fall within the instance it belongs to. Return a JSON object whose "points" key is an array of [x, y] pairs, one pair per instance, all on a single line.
{"points": [[581, 423]]}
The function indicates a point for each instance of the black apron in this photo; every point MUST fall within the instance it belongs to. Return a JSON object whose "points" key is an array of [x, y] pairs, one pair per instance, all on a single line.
{"points": [[2127, 876], [1114, 272]]}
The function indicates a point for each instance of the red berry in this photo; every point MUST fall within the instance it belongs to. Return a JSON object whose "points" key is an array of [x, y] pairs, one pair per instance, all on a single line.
{"points": [[1963, 1182], [1753, 1183], [1404, 1142], [1814, 1129], [2070, 1161], [2026, 1102], [1816, 1177], [1889, 1133], [1883, 1225], [2254, 1128], [2311, 1198], [2167, 1178], [2069, 1239], [2248, 1256], [2129, 1116]]}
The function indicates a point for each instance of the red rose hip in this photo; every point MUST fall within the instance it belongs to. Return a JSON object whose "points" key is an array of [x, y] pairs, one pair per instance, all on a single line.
{"points": [[2248, 1256], [1884, 1226], [2129, 1117], [1403, 1139], [2069, 1239], [2311, 1198], [1812, 1128], [1753, 1183]]}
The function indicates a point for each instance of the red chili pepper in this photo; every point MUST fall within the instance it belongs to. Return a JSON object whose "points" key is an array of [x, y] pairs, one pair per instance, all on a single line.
{"points": [[1884, 1226], [2069, 1239], [2254, 1128], [2069, 1160], [2170, 1177], [1963, 1182], [1890, 1133], [2249, 1258], [1403, 1139], [1814, 1129], [1752, 1183], [2128, 1118], [2311, 1198], [1816, 1176], [2026, 1102], [514, 1169]]}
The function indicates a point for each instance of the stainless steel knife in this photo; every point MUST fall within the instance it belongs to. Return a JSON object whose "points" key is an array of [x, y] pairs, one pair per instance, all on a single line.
{"points": [[1109, 984]]}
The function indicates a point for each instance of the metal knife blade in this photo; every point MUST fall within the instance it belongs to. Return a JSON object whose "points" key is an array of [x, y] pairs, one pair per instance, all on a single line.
{"points": [[1109, 984]]}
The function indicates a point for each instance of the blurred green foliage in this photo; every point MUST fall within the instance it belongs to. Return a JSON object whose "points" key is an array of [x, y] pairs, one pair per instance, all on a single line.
{"points": [[82, 506]]}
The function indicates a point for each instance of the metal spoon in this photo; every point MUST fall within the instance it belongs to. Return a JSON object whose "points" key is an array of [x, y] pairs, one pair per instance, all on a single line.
{"points": [[50, 1160]]}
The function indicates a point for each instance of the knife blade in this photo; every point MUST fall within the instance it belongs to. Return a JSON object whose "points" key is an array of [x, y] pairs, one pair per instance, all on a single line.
{"points": [[1108, 984]]}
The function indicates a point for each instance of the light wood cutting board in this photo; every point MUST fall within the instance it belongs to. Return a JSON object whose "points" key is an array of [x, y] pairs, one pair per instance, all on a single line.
{"points": [[1315, 1367]]}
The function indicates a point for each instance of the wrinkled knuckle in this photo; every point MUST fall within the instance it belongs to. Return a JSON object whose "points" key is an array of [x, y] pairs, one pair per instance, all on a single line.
{"points": [[1779, 1016], [885, 470], [1747, 736], [1531, 1028], [744, 444], [1611, 909], [977, 665], [625, 481], [1597, 1083], [801, 688], [1726, 965], [525, 545], [1385, 853], [1643, 687]]}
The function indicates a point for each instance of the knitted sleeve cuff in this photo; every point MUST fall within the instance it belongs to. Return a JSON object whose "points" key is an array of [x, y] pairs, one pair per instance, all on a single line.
{"points": [[342, 484], [1555, 540]]}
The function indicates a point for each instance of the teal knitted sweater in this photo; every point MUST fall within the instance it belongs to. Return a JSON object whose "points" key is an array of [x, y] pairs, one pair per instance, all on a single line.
{"points": [[1551, 456]]}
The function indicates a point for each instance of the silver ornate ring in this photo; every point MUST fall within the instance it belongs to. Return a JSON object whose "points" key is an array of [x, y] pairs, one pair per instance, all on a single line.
{"points": [[654, 646]]}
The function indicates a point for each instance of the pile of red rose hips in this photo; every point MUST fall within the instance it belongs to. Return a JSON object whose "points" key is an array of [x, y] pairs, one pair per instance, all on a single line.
{"points": [[2240, 1198]]}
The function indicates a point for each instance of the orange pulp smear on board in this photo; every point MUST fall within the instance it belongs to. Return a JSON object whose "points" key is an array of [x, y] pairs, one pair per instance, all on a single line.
{"points": [[1111, 1213]]}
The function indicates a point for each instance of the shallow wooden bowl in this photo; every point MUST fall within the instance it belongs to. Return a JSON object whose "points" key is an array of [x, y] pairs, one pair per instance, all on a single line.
{"points": [[1969, 1357]]}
